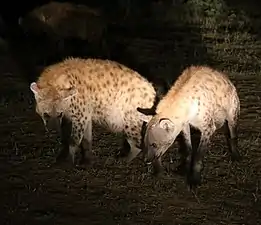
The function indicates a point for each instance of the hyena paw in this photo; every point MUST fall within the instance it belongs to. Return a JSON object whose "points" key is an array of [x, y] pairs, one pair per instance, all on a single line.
{"points": [[182, 168], [124, 150], [62, 156], [235, 156], [122, 153], [194, 179], [87, 160], [64, 161]]}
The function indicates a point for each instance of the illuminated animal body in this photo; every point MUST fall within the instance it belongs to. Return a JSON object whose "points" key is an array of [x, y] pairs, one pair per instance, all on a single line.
{"points": [[93, 90], [202, 98]]}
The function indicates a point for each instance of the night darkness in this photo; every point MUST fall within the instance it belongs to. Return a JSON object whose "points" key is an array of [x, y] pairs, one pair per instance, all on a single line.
{"points": [[158, 39]]}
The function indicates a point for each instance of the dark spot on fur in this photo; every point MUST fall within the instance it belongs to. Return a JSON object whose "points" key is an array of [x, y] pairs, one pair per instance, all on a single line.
{"points": [[133, 129], [124, 83]]}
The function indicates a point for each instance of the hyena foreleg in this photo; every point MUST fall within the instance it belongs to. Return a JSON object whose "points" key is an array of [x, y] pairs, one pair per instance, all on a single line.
{"points": [[66, 131], [196, 165], [134, 150], [185, 150], [86, 144], [77, 134], [66, 127]]}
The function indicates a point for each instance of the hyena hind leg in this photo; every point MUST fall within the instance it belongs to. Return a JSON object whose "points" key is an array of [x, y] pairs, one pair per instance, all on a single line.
{"points": [[230, 131], [124, 150]]}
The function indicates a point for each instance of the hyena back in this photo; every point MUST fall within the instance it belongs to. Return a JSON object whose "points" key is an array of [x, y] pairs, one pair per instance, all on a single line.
{"points": [[84, 91], [201, 97]]}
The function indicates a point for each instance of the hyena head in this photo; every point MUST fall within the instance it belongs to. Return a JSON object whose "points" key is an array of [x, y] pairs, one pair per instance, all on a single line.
{"points": [[51, 104], [159, 135]]}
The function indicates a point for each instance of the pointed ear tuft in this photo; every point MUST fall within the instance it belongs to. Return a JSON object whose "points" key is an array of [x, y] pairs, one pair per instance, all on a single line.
{"points": [[34, 88], [166, 124], [68, 93]]}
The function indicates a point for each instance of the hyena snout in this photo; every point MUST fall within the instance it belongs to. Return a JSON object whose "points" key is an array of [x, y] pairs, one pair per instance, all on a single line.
{"points": [[150, 155], [52, 123]]}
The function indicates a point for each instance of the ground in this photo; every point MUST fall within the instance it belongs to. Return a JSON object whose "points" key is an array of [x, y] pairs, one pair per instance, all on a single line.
{"points": [[34, 190]]}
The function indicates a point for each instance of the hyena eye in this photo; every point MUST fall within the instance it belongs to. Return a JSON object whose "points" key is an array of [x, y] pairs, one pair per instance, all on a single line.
{"points": [[154, 145], [46, 115]]}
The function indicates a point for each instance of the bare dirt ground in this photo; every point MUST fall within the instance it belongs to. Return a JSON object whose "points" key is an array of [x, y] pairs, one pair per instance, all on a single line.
{"points": [[34, 190]]}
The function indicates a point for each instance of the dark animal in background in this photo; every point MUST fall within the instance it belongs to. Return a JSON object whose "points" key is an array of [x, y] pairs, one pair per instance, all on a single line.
{"points": [[61, 21]]}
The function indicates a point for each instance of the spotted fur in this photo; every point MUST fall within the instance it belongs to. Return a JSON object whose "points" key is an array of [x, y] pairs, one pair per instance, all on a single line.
{"points": [[203, 98], [84, 91]]}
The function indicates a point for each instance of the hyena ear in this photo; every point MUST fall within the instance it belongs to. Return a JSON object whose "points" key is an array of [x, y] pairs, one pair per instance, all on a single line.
{"points": [[68, 93], [166, 124], [147, 111], [34, 88], [146, 114]]}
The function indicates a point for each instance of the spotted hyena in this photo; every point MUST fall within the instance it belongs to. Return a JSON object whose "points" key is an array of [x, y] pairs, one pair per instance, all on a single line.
{"points": [[203, 98], [83, 91]]}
